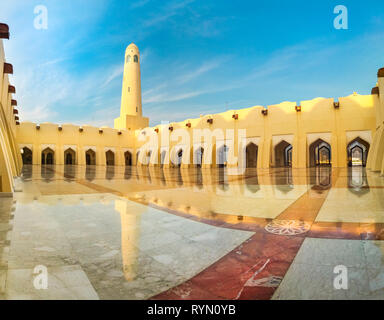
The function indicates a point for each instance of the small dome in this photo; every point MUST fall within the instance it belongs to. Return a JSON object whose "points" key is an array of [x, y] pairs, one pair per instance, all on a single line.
{"points": [[132, 46]]}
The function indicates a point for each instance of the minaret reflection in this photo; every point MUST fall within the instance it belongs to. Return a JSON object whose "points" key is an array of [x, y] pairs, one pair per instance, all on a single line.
{"points": [[130, 216]]}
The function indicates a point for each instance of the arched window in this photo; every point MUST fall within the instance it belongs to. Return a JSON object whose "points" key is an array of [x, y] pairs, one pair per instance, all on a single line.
{"points": [[135, 58], [222, 156], [27, 155], [90, 157], [128, 158], [319, 153], [283, 154], [128, 59], [47, 156], [198, 161], [251, 152], [110, 158], [357, 151], [69, 156]]}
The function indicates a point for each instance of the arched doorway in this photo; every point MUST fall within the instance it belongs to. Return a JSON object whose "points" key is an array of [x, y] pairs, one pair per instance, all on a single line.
{"points": [[90, 157], [251, 155], [128, 158], [283, 154], [110, 158], [357, 151], [69, 156], [47, 156], [319, 153], [198, 160], [222, 156], [26, 155]]}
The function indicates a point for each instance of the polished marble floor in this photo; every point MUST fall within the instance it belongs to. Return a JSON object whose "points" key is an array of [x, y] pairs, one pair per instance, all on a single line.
{"points": [[152, 233]]}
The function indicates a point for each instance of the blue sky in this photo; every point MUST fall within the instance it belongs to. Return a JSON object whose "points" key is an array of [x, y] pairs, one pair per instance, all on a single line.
{"points": [[198, 56]]}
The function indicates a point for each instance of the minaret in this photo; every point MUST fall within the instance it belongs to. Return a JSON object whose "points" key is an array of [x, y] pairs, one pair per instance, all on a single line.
{"points": [[131, 116]]}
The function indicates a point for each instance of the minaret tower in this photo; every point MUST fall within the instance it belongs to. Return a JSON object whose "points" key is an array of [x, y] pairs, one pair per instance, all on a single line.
{"points": [[131, 116]]}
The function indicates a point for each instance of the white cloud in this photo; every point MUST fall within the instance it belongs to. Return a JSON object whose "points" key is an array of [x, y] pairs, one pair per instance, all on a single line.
{"points": [[204, 68], [117, 72], [170, 10]]}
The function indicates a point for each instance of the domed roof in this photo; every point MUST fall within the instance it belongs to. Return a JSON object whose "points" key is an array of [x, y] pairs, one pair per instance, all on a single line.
{"points": [[133, 47], [380, 73]]}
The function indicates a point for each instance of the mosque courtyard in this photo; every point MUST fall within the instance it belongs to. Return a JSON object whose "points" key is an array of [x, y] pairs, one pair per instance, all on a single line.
{"points": [[115, 232]]}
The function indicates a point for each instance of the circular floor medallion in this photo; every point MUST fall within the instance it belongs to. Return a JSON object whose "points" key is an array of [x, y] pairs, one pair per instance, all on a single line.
{"points": [[287, 227]]}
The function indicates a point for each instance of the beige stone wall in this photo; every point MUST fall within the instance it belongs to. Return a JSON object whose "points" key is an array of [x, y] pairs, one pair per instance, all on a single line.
{"points": [[318, 118], [71, 136], [10, 159]]}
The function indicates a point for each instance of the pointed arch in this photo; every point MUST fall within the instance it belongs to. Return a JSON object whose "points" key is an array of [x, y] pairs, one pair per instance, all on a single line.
{"points": [[283, 154], [90, 157], [198, 157], [357, 152], [69, 157], [110, 158], [128, 158], [320, 153], [47, 156], [26, 155], [251, 153], [222, 156]]}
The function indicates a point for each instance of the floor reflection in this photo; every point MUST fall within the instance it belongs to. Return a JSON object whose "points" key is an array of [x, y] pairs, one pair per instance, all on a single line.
{"points": [[90, 172], [133, 233], [357, 180], [321, 177], [257, 193], [47, 173]]}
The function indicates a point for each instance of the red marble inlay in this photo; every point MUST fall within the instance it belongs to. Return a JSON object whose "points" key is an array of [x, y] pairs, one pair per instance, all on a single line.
{"points": [[251, 271]]}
